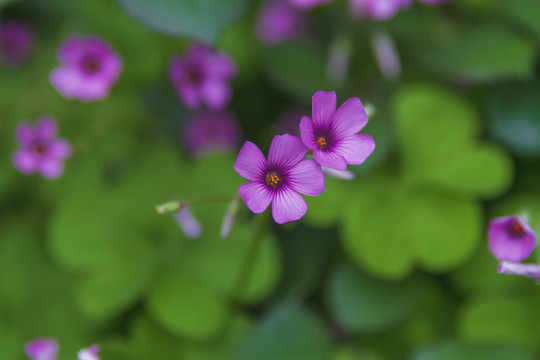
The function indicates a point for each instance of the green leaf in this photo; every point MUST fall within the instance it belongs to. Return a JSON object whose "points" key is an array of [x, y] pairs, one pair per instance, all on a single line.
{"points": [[483, 53], [387, 229], [437, 133], [363, 304], [510, 320], [287, 333], [201, 19], [514, 114], [185, 306], [298, 69], [526, 12], [466, 351]]}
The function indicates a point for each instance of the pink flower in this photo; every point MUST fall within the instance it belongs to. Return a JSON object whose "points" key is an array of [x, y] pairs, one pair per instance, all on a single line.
{"points": [[90, 353], [279, 22], [89, 67], [41, 349], [208, 132], [377, 9], [332, 135], [510, 238], [39, 149], [308, 4], [16, 42], [203, 76], [279, 180]]}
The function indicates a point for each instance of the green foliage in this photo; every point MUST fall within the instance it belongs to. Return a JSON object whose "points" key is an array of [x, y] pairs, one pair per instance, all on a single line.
{"points": [[201, 19], [465, 351]]}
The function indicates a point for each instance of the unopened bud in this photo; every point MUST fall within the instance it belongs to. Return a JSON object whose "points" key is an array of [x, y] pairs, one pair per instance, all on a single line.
{"points": [[230, 217], [169, 207], [338, 174]]}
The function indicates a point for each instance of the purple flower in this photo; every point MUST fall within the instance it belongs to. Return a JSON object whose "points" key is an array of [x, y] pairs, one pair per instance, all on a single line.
{"points": [[511, 238], [332, 135], [41, 349], [90, 353], [190, 226], [203, 76], [377, 9], [279, 22], [89, 67], [39, 149], [513, 268], [308, 4], [279, 180], [211, 132], [16, 42]]}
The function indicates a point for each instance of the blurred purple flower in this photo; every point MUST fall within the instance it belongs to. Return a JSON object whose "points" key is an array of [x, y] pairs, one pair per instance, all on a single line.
{"points": [[386, 55], [203, 76], [16, 42], [287, 122], [190, 226], [279, 22], [513, 268], [211, 132], [89, 67], [41, 349], [39, 149], [279, 180], [308, 4], [90, 353], [511, 238], [332, 135], [377, 9]]}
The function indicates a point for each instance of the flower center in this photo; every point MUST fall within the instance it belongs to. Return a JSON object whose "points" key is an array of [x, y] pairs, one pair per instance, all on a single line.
{"points": [[321, 143], [273, 179], [91, 65], [516, 228], [194, 75], [39, 149]]}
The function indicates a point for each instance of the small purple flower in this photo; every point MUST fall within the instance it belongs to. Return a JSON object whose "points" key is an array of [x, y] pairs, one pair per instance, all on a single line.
{"points": [[89, 67], [332, 135], [39, 149], [16, 42], [41, 349], [279, 180], [279, 22], [189, 225], [90, 353], [377, 9], [308, 4], [211, 132], [203, 76], [513, 268], [511, 238]]}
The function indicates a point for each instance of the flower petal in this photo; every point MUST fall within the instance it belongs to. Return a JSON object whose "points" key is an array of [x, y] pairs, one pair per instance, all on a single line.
{"points": [[189, 94], [356, 148], [90, 353], [250, 163], [46, 128], [190, 226], [285, 151], [349, 119], [288, 205], [512, 268], [256, 195], [330, 159], [217, 93], [67, 81], [506, 246], [306, 132], [221, 65], [59, 149], [306, 178], [24, 134], [50, 167], [25, 161], [41, 349], [323, 108]]}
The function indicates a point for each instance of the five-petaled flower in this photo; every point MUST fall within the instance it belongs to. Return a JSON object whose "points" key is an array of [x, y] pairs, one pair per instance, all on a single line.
{"points": [[89, 67], [279, 180], [333, 135], [16, 42], [203, 76], [39, 149], [511, 238]]}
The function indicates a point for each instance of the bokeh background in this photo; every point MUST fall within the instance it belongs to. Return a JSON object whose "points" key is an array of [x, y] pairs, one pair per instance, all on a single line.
{"points": [[391, 265]]}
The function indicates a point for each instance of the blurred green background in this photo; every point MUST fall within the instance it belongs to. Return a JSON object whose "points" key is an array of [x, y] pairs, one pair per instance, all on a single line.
{"points": [[392, 265]]}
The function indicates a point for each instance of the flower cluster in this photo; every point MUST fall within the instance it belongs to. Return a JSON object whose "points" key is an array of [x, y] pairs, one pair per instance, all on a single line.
{"points": [[331, 136], [47, 349], [512, 240]]}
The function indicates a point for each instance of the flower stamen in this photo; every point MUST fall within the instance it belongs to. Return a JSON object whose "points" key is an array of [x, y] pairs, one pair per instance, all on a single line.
{"points": [[516, 228], [321, 143], [273, 179]]}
